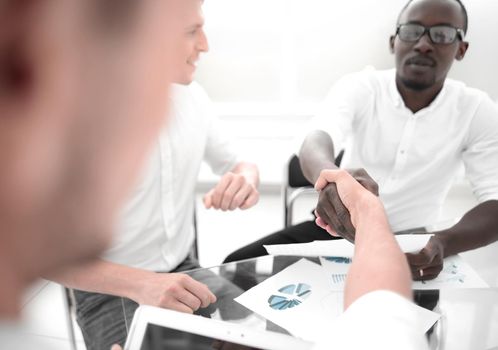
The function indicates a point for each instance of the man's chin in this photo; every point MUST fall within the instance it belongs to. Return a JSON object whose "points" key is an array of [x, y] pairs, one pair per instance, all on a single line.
{"points": [[184, 79], [417, 85]]}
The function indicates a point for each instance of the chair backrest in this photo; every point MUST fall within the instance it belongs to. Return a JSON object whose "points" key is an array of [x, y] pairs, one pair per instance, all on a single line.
{"points": [[295, 176]]}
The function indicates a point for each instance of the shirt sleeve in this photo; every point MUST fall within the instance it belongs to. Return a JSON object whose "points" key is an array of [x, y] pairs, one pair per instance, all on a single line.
{"points": [[480, 154], [377, 320], [337, 113], [219, 152]]}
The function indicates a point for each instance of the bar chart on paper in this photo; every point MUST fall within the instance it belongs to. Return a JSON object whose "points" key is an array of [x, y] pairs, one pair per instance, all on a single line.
{"points": [[289, 296], [337, 269], [338, 278]]}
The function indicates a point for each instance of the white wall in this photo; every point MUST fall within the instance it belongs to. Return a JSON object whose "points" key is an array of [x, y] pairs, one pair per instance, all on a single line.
{"points": [[272, 61]]}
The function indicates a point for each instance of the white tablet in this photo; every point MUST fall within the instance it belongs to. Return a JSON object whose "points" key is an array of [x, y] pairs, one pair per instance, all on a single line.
{"points": [[155, 328]]}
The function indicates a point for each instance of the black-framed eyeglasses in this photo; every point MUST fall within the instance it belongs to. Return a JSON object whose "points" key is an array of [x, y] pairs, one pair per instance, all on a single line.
{"points": [[439, 34]]}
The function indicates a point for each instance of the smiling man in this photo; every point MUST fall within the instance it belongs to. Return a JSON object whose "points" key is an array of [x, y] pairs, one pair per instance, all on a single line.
{"points": [[406, 132], [156, 231]]}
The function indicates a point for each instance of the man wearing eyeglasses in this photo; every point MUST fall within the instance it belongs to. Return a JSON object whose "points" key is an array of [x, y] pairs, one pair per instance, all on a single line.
{"points": [[405, 133]]}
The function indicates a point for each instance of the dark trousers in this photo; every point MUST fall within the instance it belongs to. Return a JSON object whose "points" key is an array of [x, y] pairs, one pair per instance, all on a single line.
{"points": [[304, 232], [105, 319]]}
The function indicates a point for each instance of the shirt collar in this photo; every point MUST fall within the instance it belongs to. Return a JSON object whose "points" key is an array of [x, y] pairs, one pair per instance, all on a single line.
{"points": [[398, 102], [393, 90]]}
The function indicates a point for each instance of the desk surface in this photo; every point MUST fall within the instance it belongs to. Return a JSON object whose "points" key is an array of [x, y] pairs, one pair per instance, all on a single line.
{"points": [[469, 316]]}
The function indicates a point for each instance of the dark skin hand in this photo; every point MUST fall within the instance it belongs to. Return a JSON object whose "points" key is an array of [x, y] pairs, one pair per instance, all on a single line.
{"points": [[429, 260], [331, 210], [477, 228], [317, 153]]}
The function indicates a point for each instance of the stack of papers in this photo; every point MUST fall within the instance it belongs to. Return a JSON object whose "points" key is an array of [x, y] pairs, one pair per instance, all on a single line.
{"points": [[306, 298], [342, 247], [302, 301]]}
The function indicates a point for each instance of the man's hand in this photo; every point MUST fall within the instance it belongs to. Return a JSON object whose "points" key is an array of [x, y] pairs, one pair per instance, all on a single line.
{"points": [[232, 192], [332, 214], [175, 291], [428, 263]]}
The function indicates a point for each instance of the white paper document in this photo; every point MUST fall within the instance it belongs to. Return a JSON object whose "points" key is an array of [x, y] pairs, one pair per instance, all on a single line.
{"points": [[336, 270], [297, 298], [456, 274], [303, 302], [341, 247]]}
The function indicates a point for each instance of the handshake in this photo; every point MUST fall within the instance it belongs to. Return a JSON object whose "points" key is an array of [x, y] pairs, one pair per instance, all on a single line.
{"points": [[347, 196]]}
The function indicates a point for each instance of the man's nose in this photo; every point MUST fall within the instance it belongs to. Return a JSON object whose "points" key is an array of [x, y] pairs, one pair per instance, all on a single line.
{"points": [[202, 42], [424, 44]]}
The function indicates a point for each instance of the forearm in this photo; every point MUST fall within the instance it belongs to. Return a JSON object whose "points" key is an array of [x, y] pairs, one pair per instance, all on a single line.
{"points": [[101, 276], [316, 154], [378, 263], [249, 170], [477, 228]]}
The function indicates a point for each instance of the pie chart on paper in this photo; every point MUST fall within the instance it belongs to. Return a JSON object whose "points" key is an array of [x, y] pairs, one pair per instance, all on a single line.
{"points": [[289, 296]]}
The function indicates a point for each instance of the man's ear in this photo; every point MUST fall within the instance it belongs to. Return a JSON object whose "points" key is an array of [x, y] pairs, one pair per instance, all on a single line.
{"points": [[391, 43], [462, 50]]}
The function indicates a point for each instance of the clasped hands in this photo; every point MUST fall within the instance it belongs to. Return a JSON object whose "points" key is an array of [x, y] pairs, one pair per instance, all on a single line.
{"points": [[233, 191], [333, 215]]}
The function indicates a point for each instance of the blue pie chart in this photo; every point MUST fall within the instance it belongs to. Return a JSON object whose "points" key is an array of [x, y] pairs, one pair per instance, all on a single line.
{"points": [[289, 296]]}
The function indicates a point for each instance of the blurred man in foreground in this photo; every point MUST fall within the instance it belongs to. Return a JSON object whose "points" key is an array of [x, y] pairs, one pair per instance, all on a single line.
{"points": [[82, 88]]}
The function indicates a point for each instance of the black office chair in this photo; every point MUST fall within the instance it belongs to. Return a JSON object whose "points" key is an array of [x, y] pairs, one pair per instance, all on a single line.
{"points": [[295, 185]]}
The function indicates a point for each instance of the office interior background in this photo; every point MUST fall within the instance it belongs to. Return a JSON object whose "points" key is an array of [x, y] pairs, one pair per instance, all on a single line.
{"points": [[270, 64]]}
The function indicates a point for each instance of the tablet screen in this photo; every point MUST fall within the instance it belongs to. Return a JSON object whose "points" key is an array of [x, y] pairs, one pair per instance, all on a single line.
{"points": [[164, 338]]}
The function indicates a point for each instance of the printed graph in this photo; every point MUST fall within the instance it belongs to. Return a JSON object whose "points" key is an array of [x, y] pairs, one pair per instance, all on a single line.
{"points": [[338, 260], [289, 296], [338, 278], [450, 274]]}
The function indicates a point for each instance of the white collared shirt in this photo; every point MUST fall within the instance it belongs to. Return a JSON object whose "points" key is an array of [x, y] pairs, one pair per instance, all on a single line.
{"points": [[414, 157], [156, 228], [377, 320]]}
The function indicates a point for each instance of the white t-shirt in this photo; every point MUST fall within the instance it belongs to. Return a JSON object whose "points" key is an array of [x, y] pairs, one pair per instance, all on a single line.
{"points": [[156, 229], [414, 157], [377, 320]]}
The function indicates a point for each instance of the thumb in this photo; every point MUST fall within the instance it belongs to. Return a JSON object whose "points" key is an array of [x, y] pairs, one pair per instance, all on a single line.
{"points": [[419, 259], [116, 347], [208, 201], [324, 179]]}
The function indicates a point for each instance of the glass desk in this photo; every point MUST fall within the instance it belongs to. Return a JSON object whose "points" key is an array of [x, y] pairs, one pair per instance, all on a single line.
{"points": [[469, 316]]}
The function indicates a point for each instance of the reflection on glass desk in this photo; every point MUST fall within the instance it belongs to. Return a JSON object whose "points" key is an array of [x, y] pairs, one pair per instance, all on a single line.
{"points": [[469, 316]]}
